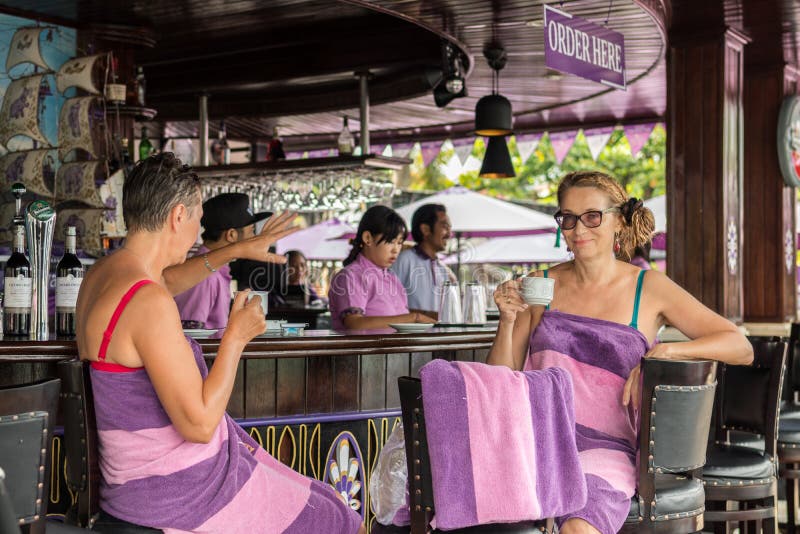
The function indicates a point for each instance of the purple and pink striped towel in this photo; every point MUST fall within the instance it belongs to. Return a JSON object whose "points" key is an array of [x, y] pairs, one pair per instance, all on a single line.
{"points": [[501, 443]]}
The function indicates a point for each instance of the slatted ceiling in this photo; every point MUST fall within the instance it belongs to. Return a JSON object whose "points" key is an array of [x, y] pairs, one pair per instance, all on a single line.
{"points": [[192, 28]]}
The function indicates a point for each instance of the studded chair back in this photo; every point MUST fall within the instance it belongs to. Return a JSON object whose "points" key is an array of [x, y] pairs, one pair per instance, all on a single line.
{"points": [[80, 440], [27, 463], [677, 404], [748, 396]]}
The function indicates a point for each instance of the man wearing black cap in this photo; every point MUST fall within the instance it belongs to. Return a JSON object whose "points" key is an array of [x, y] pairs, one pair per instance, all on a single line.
{"points": [[227, 219]]}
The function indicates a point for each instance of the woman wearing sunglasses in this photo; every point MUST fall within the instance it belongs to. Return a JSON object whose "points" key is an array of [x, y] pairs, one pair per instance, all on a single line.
{"points": [[601, 322]]}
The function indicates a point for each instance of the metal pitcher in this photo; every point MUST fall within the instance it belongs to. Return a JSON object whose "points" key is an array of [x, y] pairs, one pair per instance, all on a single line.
{"points": [[474, 303], [450, 307]]}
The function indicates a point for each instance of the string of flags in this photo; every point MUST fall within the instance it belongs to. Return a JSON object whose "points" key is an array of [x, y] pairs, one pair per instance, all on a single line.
{"points": [[561, 141]]}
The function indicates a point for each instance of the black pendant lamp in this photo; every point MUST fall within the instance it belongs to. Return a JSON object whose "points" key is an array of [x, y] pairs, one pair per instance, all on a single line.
{"points": [[493, 112], [497, 160]]}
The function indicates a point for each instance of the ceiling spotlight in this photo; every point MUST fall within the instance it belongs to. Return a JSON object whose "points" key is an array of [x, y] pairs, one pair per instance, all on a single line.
{"points": [[450, 83], [493, 112]]}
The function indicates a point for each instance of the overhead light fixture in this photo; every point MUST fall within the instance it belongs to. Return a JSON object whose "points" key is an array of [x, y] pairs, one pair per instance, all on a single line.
{"points": [[497, 160], [493, 112], [448, 82]]}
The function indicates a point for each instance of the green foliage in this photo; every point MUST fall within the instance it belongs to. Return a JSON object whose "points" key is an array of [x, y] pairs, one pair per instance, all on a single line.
{"points": [[538, 177]]}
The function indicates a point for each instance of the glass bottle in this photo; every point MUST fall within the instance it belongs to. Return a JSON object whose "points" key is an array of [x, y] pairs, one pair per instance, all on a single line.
{"points": [[69, 276], [18, 288], [345, 140], [221, 147], [275, 150], [145, 146], [141, 87]]}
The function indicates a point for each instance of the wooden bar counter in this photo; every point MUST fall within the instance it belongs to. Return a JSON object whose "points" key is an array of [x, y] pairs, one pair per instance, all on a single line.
{"points": [[312, 401]]}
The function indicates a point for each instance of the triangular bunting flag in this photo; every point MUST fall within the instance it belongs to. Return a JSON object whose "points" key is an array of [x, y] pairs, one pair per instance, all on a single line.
{"points": [[637, 135], [401, 150], [526, 144], [429, 151], [597, 139], [562, 142], [463, 148]]}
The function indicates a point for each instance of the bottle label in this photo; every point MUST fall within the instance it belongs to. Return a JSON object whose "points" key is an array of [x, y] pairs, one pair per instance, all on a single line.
{"points": [[18, 292], [67, 288]]}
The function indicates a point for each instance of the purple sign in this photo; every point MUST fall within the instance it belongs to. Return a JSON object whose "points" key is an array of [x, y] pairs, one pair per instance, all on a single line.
{"points": [[577, 46]]}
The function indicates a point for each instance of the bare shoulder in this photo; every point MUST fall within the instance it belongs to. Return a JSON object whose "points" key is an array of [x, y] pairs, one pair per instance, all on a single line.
{"points": [[555, 271]]}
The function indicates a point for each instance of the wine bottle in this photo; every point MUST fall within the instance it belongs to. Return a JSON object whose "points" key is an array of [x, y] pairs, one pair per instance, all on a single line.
{"points": [[141, 87], [275, 150], [345, 141], [18, 288], [145, 146], [69, 275]]}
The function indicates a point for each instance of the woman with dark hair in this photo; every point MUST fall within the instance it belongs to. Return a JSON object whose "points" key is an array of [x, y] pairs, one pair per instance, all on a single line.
{"points": [[171, 458], [298, 290], [366, 294]]}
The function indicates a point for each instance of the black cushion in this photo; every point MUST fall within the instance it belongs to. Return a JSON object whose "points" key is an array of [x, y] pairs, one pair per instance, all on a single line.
{"points": [[108, 524], [673, 496], [733, 462]]}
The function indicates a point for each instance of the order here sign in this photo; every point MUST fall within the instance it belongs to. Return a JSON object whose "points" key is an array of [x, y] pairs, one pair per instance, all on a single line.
{"points": [[577, 46]]}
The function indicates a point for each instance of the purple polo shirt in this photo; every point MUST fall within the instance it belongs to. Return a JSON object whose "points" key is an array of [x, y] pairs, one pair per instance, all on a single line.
{"points": [[363, 287], [209, 301]]}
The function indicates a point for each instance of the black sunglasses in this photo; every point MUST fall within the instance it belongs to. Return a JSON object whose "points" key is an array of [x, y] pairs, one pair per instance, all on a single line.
{"points": [[590, 219]]}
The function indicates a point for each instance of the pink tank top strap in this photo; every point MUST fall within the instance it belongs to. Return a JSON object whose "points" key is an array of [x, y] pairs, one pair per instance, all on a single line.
{"points": [[112, 323]]}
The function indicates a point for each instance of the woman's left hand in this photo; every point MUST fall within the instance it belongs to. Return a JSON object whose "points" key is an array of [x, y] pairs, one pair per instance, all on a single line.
{"points": [[257, 247], [631, 391]]}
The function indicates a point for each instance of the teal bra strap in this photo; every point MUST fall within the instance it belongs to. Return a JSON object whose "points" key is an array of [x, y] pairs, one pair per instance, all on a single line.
{"points": [[545, 275], [635, 318]]}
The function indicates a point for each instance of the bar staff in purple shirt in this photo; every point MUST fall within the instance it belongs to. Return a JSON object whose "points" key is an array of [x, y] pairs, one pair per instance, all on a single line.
{"points": [[227, 221], [365, 294]]}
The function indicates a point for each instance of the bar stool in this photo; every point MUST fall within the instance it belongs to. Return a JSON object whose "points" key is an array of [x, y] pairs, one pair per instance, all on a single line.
{"points": [[27, 412], [673, 434], [748, 399]]}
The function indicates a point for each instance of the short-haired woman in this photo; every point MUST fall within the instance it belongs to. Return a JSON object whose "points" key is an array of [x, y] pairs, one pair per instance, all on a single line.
{"points": [[601, 322], [170, 457]]}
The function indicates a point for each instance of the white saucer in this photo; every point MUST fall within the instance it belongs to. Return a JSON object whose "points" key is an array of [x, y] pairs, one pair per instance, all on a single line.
{"points": [[199, 332], [411, 327]]}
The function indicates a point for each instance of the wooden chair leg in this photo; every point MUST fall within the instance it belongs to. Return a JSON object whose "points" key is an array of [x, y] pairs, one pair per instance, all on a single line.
{"points": [[770, 524], [791, 502]]}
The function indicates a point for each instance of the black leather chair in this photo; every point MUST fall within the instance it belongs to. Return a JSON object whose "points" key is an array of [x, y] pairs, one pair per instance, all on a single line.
{"points": [[8, 520], [677, 403], [419, 476], [26, 427], [80, 445], [789, 431], [748, 400]]}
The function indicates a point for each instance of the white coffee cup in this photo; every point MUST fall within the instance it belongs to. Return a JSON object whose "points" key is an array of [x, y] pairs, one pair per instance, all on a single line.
{"points": [[537, 291], [263, 295]]}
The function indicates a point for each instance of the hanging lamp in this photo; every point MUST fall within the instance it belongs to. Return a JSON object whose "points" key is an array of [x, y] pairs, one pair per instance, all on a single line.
{"points": [[497, 160], [493, 112]]}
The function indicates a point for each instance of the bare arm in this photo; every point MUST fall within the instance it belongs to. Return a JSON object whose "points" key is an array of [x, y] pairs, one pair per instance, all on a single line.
{"points": [[357, 321], [514, 328], [195, 406], [712, 336], [186, 275]]}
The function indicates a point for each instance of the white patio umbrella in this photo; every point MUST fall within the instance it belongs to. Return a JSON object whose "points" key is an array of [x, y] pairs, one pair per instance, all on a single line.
{"points": [[318, 242], [514, 249], [658, 205], [476, 215]]}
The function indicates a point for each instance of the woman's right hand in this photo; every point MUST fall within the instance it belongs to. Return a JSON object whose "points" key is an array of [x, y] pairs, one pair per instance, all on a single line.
{"points": [[246, 319], [509, 300]]}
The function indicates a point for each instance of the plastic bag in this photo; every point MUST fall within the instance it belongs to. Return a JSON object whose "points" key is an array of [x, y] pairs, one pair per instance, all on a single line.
{"points": [[388, 492]]}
